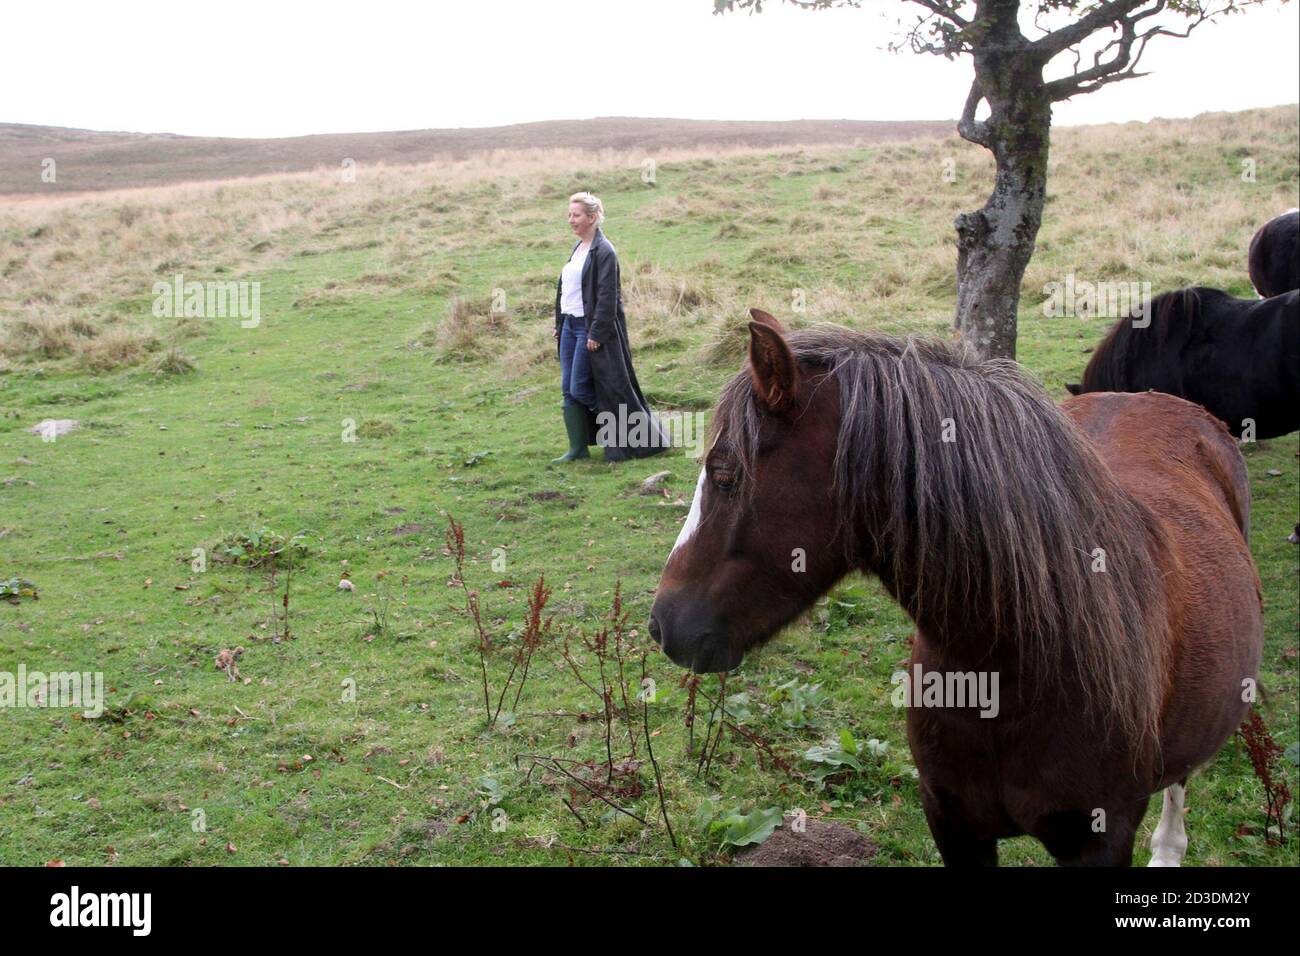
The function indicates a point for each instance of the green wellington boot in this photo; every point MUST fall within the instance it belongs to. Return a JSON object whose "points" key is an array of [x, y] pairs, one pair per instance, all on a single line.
{"points": [[575, 423]]}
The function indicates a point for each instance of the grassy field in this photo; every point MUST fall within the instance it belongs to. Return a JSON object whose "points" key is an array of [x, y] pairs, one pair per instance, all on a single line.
{"points": [[376, 310]]}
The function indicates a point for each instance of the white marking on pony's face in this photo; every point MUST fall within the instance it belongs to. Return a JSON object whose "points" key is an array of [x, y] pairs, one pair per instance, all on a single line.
{"points": [[692, 519], [1169, 841]]}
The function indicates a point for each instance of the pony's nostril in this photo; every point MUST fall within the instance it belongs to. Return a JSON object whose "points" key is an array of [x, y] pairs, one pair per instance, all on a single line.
{"points": [[654, 631]]}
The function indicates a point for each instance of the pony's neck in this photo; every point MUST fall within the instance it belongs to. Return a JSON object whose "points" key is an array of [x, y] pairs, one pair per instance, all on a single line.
{"points": [[995, 525], [963, 627]]}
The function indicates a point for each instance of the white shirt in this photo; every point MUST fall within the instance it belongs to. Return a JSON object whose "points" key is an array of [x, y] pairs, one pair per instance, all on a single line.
{"points": [[571, 282]]}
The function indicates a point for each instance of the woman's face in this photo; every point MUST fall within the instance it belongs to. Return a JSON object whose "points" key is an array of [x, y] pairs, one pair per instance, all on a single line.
{"points": [[579, 219]]}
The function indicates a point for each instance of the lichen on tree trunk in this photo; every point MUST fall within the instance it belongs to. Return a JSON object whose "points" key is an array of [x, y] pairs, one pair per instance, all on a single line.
{"points": [[995, 243]]}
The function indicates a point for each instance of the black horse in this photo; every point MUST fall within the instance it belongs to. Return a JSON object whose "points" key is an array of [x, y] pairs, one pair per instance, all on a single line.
{"points": [[1274, 259], [1239, 358]]}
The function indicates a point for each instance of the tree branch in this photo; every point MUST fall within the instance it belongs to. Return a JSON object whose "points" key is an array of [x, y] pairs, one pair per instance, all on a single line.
{"points": [[946, 9], [756, 6], [1105, 15], [968, 127], [950, 40], [1123, 65]]}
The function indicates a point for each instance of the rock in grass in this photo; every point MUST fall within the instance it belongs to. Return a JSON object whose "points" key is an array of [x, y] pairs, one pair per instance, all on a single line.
{"points": [[54, 427], [651, 486]]}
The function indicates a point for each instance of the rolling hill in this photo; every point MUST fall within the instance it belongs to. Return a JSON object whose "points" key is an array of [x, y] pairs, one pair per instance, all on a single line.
{"points": [[89, 160]]}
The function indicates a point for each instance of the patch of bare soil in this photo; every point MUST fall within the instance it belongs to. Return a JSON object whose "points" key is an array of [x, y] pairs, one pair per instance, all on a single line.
{"points": [[820, 844]]}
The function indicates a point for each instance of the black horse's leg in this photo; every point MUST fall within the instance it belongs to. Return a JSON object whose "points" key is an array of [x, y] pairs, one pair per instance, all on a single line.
{"points": [[958, 842]]}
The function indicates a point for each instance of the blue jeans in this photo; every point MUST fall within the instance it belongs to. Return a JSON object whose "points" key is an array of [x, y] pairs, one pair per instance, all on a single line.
{"points": [[575, 365]]}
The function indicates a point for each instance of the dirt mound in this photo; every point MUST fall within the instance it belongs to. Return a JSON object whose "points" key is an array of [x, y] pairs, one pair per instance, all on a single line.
{"points": [[820, 844]]}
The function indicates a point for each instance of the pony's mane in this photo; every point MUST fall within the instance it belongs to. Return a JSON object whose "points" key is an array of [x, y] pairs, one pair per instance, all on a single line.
{"points": [[1173, 314], [1002, 520]]}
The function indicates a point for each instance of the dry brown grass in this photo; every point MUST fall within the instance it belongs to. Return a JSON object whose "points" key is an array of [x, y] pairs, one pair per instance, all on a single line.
{"points": [[1125, 200], [471, 331], [67, 256], [89, 160], [117, 346]]}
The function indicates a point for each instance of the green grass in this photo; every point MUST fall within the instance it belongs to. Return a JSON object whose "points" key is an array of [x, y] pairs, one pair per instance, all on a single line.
{"points": [[253, 438]]}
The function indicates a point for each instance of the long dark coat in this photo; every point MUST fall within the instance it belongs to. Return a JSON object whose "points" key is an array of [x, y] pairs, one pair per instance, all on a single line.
{"points": [[611, 364]]}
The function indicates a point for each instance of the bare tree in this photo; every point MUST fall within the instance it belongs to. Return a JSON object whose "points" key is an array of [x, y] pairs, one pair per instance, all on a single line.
{"points": [[1076, 47]]}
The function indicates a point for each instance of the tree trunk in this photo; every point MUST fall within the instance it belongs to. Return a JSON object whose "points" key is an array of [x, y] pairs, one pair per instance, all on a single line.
{"points": [[994, 244]]}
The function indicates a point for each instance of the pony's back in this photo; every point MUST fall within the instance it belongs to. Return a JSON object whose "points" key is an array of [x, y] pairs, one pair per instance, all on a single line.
{"points": [[1184, 466], [1274, 257], [1238, 358]]}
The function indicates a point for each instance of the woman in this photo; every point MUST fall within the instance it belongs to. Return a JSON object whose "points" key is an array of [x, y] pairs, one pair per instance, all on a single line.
{"points": [[603, 403]]}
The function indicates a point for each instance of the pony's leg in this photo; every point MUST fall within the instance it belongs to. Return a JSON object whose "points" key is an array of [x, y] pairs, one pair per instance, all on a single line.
{"points": [[1072, 841], [956, 840], [958, 846], [1115, 850], [1169, 841]]}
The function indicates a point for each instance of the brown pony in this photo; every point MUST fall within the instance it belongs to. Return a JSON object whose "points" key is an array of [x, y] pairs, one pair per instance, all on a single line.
{"points": [[1090, 560]]}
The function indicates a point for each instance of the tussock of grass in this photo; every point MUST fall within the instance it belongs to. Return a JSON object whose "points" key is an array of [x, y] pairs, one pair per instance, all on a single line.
{"points": [[530, 347], [649, 291], [376, 428], [778, 253], [45, 335], [100, 347], [729, 342], [174, 362], [471, 331], [117, 346]]}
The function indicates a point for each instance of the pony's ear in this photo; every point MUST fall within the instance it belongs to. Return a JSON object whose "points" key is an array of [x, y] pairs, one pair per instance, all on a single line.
{"points": [[758, 315], [1074, 388], [772, 365]]}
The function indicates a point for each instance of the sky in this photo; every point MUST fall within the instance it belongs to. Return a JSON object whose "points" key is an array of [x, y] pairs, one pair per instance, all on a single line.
{"points": [[279, 68]]}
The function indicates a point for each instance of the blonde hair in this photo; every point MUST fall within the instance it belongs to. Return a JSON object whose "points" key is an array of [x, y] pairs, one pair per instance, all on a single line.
{"points": [[593, 205]]}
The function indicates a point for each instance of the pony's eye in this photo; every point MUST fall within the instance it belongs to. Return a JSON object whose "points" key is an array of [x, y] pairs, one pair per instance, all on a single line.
{"points": [[723, 480]]}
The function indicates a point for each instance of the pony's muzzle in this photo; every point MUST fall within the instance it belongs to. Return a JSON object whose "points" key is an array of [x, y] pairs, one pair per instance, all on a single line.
{"points": [[691, 638]]}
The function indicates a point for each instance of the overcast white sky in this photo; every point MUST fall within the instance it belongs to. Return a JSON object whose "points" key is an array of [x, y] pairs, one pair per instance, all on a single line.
{"points": [[267, 68]]}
